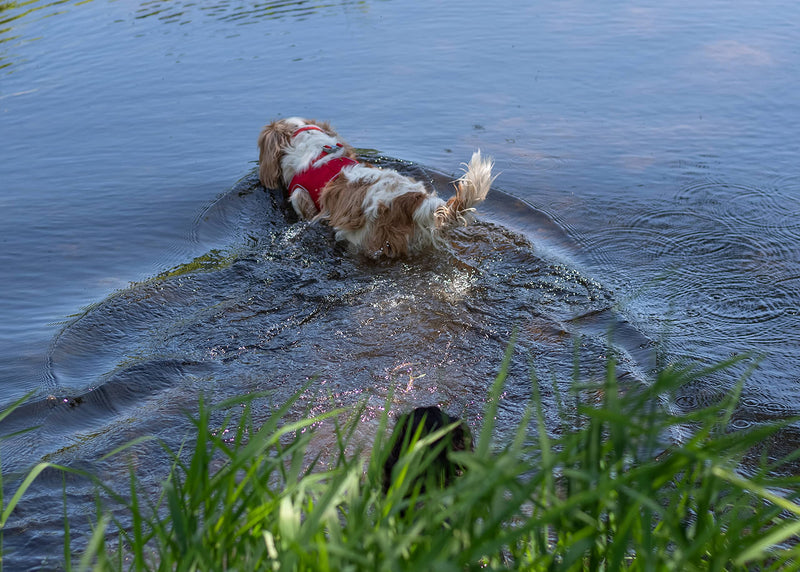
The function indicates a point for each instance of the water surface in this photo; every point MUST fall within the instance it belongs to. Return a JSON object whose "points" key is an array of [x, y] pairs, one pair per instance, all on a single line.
{"points": [[648, 186]]}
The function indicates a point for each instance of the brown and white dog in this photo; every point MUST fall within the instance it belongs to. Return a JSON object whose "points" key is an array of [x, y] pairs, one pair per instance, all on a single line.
{"points": [[379, 211]]}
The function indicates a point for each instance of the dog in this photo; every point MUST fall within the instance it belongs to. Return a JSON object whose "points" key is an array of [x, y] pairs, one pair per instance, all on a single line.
{"points": [[420, 423], [379, 211]]}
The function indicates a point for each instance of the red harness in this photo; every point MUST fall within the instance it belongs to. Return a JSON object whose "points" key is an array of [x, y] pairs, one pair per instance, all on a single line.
{"points": [[314, 179]]}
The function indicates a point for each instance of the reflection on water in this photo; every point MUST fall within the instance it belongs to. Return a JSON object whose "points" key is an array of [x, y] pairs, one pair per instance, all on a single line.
{"points": [[239, 12], [16, 14], [13, 14]]}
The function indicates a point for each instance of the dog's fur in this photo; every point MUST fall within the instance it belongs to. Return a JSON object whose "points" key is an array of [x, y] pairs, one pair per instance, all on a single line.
{"points": [[379, 211], [420, 423]]}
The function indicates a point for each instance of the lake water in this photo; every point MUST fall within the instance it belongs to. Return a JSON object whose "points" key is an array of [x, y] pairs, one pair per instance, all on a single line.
{"points": [[649, 186]]}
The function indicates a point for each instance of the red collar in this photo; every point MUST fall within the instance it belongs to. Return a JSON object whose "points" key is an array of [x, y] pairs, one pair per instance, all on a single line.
{"points": [[299, 130]]}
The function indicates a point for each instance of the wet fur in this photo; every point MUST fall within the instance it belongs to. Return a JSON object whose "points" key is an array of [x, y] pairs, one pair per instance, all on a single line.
{"points": [[420, 423], [379, 211]]}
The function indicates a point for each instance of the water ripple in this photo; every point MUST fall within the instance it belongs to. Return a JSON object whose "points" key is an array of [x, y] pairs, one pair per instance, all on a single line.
{"points": [[728, 252], [239, 12]]}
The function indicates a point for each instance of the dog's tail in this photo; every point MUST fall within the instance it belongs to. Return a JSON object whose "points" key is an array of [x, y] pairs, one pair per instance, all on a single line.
{"points": [[471, 189]]}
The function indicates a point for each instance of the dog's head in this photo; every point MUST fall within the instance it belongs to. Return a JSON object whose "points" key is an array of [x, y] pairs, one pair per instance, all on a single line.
{"points": [[274, 141], [420, 423]]}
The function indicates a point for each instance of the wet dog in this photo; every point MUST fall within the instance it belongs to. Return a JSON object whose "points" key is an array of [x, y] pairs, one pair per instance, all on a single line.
{"points": [[379, 211], [418, 424]]}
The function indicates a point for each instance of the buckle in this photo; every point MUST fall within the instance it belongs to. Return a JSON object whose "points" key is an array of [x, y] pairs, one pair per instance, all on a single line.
{"points": [[328, 149]]}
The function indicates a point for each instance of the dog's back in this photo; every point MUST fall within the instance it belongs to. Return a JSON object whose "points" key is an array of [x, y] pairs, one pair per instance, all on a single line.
{"points": [[381, 212]]}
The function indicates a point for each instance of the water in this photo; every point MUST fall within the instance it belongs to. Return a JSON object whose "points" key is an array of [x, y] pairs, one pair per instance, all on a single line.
{"points": [[648, 186]]}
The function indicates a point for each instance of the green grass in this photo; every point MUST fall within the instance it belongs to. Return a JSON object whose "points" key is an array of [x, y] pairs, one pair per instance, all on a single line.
{"points": [[610, 492]]}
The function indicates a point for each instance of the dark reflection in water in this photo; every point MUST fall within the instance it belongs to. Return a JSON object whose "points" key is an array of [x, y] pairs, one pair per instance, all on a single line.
{"points": [[283, 304], [15, 14], [239, 12]]}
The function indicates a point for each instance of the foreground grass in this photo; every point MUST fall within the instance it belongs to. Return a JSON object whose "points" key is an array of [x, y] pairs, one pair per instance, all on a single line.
{"points": [[606, 494]]}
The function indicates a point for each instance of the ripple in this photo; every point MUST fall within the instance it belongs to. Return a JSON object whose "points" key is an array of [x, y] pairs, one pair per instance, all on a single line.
{"points": [[616, 247], [735, 253], [536, 161], [740, 424], [741, 307], [733, 281], [698, 396], [721, 194], [14, 16], [182, 13], [764, 407], [659, 235], [743, 317], [741, 206]]}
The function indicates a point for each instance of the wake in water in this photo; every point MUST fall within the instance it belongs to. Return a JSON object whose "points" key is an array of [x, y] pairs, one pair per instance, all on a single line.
{"points": [[275, 303], [283, 303]]}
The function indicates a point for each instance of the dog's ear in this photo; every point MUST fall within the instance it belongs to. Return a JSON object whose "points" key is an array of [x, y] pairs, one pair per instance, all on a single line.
{"points": [[272, 142]]}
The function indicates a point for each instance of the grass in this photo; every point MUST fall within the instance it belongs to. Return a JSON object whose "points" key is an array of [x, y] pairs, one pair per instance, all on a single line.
{"points": [[609, 491]]}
